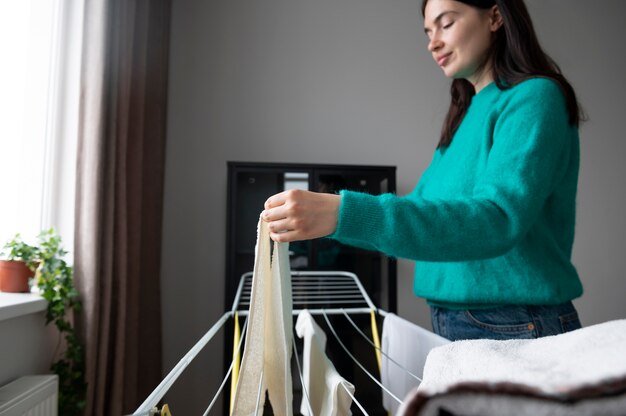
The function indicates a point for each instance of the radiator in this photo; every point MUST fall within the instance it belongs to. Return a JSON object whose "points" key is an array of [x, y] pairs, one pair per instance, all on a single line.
{"points": [[30, 396]]}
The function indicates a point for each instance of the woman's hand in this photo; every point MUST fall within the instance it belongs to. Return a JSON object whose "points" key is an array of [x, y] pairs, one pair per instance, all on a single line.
{"points": [[301, 215]]}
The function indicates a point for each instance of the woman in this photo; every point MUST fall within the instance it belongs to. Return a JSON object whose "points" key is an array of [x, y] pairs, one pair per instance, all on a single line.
{"points": [[491, 222]]}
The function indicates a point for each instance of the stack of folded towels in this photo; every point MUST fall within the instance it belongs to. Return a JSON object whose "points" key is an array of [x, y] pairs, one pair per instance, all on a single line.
{"points": [[582, 372]]}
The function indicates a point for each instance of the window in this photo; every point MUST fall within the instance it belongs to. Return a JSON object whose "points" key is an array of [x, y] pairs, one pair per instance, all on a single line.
{"points": [[40, 42]]}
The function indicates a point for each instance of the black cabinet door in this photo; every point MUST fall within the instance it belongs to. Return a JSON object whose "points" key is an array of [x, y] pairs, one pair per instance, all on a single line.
{"points": [[249, 186]]}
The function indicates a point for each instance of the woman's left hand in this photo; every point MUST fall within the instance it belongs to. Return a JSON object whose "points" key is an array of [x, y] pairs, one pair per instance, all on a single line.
{"points": [[301, 215]]}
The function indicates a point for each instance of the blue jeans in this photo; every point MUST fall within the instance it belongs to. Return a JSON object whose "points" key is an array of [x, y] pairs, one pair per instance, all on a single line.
{"points": [[505, 322]]}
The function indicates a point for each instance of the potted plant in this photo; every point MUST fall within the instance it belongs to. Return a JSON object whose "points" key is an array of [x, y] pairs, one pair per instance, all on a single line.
{"points": [[54, 281], [18, 261]]}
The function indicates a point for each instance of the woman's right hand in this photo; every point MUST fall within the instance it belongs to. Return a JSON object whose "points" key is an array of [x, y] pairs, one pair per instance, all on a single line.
{"points": [[301, 215]]}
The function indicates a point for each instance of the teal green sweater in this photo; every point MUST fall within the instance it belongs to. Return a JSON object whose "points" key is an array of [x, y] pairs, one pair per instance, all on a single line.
{"points": [[491, 221]]}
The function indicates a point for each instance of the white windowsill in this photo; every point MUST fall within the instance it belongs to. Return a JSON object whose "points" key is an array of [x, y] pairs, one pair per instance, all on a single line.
{"points": [[18, 304]]}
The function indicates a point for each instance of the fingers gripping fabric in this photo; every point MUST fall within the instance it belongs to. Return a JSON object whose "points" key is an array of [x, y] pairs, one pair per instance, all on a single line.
{"points": [[268, 340]]}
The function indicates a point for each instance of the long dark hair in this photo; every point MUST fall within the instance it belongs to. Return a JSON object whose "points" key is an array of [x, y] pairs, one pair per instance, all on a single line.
{"points": [[516, 55]]}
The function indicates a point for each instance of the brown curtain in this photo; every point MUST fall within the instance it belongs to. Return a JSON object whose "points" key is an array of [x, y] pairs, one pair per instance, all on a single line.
{"points": [[119, 199]]}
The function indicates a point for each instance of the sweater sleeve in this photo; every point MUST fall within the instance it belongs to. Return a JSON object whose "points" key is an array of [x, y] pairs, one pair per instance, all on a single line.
{"points": [[528, 158]]}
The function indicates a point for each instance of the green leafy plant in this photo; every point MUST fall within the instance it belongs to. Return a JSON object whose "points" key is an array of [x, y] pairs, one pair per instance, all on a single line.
{"points": [[17, 250], [55, 281]]}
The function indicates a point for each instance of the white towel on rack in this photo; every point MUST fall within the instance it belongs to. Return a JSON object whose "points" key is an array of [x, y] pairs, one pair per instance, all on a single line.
{"points": [[325, 388], [268, 340], [407, 344]]}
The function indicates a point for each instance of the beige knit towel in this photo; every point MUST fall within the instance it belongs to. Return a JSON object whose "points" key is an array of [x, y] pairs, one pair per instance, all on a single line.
{"points": [[267, 354]]}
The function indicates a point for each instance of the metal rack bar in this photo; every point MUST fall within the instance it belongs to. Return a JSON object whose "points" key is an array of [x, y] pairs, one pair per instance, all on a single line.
{"points": [[258, 396], [354, 400], [230, 369], [335, 290], [339, 292], [332, 329], [167, 382], [379, 349], [337, 311]]}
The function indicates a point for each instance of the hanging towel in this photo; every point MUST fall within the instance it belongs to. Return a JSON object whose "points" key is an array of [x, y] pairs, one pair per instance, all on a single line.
{"points": [[325, 388], [268, 340], [582, 372], [407, 344]]}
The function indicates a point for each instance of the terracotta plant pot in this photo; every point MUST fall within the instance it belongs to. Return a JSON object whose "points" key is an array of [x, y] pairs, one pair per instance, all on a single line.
{"points": [[14, 276]]}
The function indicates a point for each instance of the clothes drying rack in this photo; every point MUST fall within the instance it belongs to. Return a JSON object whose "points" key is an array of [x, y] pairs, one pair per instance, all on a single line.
{"points": [[322, 294]]}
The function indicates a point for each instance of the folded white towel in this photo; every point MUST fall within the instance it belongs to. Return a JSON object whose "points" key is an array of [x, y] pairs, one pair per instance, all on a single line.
{"points": [[582, 371]]}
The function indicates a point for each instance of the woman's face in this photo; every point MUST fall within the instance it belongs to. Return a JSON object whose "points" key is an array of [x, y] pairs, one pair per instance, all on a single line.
{"points": [[459, 38]]}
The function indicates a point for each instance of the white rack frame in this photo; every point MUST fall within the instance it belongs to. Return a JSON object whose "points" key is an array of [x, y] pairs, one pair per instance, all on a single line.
{"points": [[338, 292]]}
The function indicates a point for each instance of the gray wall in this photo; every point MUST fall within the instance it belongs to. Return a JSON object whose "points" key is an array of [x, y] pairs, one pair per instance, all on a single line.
{"points": [[350, 81]]}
